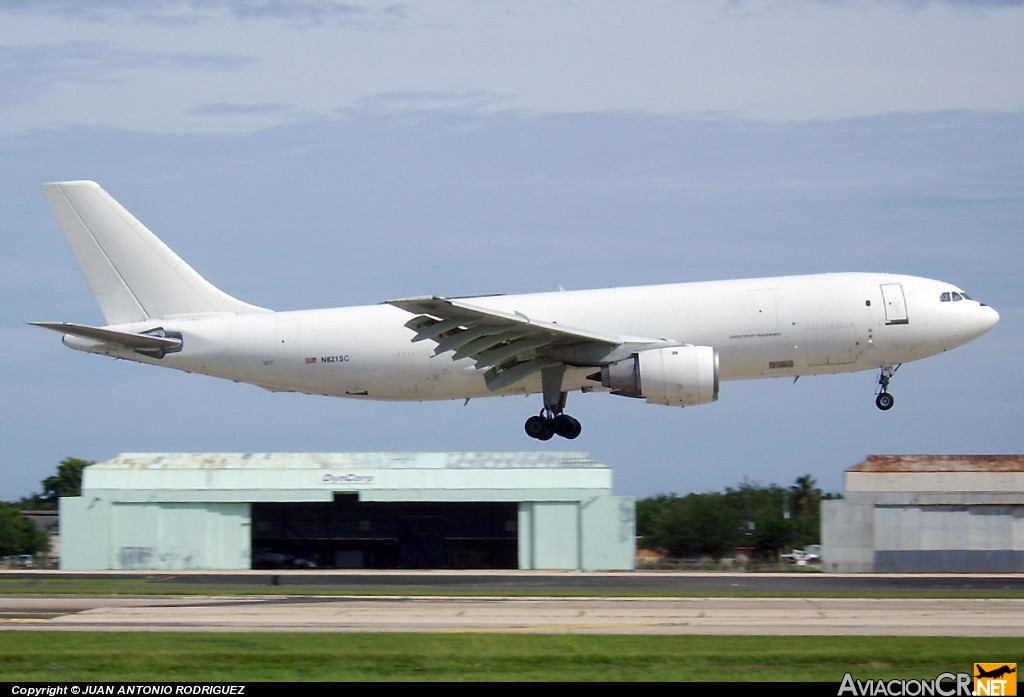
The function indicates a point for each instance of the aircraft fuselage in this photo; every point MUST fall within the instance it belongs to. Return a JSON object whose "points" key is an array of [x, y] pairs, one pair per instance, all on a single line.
{"points": [[670, 344], [762, 327]]}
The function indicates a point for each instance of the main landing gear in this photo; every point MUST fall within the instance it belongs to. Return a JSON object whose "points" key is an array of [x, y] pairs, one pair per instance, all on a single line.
{"points": [[547, 424], [884, 400], [552, 419]]}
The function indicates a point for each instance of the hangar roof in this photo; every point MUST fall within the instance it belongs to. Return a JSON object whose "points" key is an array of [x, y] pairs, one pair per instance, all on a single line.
{"points": [[254, 477], [941, 463], [362, 460]]}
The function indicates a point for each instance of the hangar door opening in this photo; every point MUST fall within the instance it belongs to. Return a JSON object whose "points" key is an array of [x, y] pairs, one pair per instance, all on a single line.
{"points": [[349, 534]]}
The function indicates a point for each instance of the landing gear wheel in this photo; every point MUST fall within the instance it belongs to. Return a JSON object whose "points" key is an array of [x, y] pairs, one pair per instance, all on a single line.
{"points": [[540, 428], [884, 400], [552, 418], [566, 426]]}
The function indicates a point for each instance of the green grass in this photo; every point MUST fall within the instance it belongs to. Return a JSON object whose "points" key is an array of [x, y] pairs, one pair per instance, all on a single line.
{"points": [[478, 656], [482, 656]]}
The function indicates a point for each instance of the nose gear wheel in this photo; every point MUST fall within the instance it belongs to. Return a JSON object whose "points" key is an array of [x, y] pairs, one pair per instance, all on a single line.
{"points": [[884, 400]]}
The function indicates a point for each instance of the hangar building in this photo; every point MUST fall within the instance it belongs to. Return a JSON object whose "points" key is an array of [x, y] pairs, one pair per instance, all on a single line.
{"points": [[927, 513], [348, 510]]}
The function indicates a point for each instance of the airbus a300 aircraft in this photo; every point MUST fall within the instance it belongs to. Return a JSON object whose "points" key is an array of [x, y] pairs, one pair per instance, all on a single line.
{"points": [[669, 344]]}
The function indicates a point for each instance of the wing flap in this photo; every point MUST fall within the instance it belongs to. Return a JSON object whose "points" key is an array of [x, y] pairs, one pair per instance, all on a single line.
{"points": [[497, 380], [428, 327], [477, 346], [458, 313], [503, 352], [509, 346], [458, 339]]}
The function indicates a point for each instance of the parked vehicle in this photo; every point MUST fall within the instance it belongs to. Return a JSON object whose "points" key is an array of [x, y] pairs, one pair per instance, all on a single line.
{"points": [[810, 554]]}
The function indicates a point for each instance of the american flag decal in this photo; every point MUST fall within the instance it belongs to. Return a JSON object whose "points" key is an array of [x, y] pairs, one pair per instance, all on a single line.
{"points": [[310, 359]]}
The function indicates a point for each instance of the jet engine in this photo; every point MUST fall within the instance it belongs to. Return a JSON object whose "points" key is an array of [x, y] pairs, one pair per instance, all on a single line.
{"points": [[677, 376]]}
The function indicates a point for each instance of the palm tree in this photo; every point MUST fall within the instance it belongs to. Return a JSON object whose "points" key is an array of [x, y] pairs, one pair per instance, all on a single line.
{"points": [[805, 502]]}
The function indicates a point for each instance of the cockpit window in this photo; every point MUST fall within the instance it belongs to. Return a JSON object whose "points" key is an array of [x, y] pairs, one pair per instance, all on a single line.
{"points": [[944, 297], [954, 296]]}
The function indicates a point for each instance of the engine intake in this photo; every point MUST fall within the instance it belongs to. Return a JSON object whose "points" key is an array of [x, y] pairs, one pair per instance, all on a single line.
{"points": [[677, 376]]}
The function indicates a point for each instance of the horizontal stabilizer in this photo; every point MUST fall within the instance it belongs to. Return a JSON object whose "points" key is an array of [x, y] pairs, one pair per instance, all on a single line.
{"points": [[145, 342]]}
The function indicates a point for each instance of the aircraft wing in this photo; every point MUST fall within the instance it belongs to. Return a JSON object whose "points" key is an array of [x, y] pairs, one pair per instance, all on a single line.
{"points": [[145, 342], [509, 346]]}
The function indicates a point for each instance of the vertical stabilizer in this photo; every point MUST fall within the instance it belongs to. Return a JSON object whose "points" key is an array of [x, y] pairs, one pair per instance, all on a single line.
{"points": [[133, 275]]}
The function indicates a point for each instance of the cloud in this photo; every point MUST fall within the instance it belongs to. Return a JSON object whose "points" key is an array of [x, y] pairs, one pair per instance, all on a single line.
{"points": [[187, 12], [47, 74], [419, 100], [971, 4], [157, 66], [311, 155], [240, 109]]}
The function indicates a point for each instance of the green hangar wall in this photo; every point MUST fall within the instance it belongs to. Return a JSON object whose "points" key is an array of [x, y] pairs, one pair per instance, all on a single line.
{"points": [[177, 511]]}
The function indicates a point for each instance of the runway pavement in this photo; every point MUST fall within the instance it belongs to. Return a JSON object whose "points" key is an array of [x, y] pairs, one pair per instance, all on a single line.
{"points": [[503, 582], [711, 616]]}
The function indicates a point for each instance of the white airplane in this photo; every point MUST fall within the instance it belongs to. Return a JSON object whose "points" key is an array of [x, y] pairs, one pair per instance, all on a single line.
{"points": [[669, 344]]}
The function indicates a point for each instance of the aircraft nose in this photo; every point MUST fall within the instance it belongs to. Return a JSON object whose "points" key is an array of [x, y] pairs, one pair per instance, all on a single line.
{"points": [[986, 319]]}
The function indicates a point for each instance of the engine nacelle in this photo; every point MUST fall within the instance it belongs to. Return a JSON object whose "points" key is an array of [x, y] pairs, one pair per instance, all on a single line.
{"points": [[677, 376]]}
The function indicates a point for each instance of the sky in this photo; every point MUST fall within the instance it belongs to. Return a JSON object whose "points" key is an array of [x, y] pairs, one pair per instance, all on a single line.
{"points": [[312, 153]]}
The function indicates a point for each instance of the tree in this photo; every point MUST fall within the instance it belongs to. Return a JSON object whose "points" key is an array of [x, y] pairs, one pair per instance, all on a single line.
{"points": [[18, 534], [648, 511], [66, 482], [716, 528], [805, 500], [694, 524], [767, 530], [765, 520]]}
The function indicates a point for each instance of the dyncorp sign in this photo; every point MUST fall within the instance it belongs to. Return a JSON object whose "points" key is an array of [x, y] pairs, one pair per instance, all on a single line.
{"points": [[347, 478]]}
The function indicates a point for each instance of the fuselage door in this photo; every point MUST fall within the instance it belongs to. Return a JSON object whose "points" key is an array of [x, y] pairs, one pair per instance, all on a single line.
{"points": [[895, 303]]}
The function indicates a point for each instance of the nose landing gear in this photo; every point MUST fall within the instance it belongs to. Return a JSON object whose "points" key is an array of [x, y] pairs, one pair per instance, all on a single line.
{"points": [[884, 400]]}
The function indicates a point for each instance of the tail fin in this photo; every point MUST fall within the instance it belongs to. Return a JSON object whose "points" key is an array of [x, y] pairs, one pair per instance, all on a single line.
{"points": [[133, 275]]}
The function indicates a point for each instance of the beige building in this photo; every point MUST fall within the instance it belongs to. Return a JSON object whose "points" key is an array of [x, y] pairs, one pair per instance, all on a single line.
{"points": [[927, 513]]}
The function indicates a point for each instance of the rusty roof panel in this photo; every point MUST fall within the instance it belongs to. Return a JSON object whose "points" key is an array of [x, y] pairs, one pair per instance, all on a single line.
{"points": [[941, 463]]}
